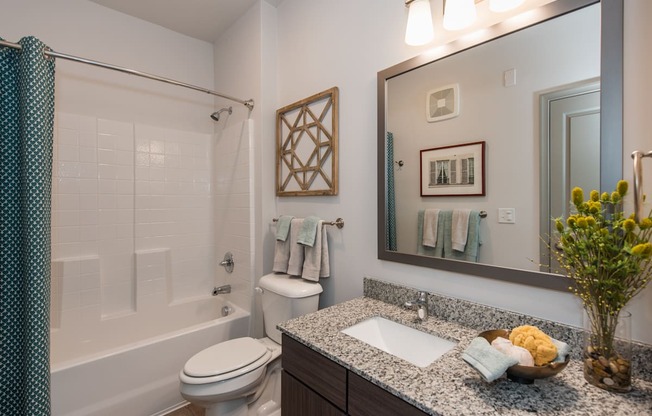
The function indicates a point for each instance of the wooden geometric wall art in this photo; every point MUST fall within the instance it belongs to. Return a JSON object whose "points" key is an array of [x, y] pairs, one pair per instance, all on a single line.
{"points": [[306, 146]]}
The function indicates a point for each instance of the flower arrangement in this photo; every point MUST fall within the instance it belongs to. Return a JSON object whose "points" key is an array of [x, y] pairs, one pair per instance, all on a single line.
{"points": [[609, 257]]}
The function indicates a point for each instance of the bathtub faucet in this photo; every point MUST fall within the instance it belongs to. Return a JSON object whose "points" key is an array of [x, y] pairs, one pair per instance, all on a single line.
{"points": [[221, 290]]}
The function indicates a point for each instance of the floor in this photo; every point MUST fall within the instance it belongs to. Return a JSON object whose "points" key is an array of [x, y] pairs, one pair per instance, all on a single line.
{"points": [[190, 410]]}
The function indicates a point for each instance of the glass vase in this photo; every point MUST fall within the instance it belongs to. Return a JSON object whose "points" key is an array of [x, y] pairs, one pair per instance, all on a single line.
{"points": [[607, 350]]}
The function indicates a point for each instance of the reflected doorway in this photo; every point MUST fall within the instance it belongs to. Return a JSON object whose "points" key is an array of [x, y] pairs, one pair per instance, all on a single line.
{"points": [[570, 155]]}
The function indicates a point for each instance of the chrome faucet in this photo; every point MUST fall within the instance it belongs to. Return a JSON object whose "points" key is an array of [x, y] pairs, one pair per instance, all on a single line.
{"points": [[421, 304], [217, 290]]}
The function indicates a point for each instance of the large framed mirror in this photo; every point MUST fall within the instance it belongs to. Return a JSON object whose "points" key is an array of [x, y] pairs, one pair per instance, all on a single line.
{"points": [[498, 87]]}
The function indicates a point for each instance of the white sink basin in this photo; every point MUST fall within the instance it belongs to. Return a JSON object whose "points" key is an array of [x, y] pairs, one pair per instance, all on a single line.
{"points": [[417, 347]]}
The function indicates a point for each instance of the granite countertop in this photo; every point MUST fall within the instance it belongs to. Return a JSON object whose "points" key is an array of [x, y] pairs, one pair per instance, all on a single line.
{"points": [[449, 386]]}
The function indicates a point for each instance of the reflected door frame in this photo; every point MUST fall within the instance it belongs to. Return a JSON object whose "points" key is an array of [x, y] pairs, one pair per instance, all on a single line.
{"points": [[569, 118]]}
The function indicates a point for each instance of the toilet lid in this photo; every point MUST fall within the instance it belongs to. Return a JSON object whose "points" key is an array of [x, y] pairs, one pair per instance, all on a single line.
{"points": [[225, 357]]}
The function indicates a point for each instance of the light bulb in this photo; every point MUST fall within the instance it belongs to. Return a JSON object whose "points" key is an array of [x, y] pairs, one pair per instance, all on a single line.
{"points": [[419, 29], [459, 14], [504, 5]]}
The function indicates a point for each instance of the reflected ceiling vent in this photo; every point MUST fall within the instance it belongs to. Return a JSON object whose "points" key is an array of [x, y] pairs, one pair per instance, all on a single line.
{"points": [[443, 103]]}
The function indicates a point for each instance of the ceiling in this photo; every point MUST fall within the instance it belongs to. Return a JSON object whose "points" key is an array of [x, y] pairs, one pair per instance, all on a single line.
{"points": [[200, 19]]}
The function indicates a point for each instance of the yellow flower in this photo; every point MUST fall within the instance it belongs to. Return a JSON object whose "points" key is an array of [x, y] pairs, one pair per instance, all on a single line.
{"points": [[605, 197], [615, 197], [645, 223], [582, 223], [577, 196], [642, 250], [571, 221], [591, 221], [621, 188], [629, 225], [559, 225], [594, 195]]}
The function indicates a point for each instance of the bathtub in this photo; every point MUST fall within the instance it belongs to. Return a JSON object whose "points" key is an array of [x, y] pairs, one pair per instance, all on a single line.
{"points": [[142, 377]]}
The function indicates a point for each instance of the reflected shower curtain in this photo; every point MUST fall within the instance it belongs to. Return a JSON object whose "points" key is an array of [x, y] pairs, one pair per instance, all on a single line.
{"points": [[390, 236], [26, 124]]}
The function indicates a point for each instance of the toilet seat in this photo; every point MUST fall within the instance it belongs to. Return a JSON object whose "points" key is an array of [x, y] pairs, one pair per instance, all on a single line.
{"points": [[225, 360]]}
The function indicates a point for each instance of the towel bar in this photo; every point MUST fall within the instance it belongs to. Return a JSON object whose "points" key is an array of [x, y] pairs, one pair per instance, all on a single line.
{"points": [[339, 223]]}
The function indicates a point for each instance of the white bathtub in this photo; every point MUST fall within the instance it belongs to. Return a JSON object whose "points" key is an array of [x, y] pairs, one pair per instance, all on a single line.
{"points": [[138, 379]]}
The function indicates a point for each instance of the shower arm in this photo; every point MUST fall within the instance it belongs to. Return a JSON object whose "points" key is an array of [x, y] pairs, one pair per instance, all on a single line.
{"points": [[637, 155]]}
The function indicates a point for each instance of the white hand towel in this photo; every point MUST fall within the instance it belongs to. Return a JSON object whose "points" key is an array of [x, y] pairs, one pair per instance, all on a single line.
{"points": [[295, 262], [315, 264], [460, 228], [430, 223]]}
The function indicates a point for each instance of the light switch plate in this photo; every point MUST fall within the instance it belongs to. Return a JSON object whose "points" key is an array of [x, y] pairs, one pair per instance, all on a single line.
{"points": [[506, 215]]}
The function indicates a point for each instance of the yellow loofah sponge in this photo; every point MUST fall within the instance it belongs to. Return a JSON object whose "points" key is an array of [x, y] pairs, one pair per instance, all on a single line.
{"points": [[536, 341]]}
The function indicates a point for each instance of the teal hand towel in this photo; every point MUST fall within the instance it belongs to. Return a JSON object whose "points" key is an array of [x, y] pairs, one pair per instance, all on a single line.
{"points": [[487, 360], [563, 350], [308, 231], [283, 227]]}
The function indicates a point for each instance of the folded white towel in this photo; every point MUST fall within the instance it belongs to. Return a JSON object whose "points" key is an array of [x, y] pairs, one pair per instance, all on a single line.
{"points": [[460, 228], [295, 261], [506, 347], [315, 264], [430, 223]]}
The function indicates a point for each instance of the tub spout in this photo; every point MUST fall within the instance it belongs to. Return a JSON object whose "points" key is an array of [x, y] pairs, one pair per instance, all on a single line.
{"points": [[217, 290]]}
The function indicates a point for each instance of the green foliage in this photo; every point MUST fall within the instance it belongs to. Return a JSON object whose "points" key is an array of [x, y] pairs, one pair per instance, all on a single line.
{"points": [[608, 255]]}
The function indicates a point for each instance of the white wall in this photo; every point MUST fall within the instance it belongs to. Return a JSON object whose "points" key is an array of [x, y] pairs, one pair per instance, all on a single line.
{"points": [[83, 28], [342, 43]]}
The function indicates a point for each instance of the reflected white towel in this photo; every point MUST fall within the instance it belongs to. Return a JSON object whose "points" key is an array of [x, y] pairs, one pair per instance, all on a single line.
{"points": [[295, 262], [430, 223], [316, 263], [460, 228]]}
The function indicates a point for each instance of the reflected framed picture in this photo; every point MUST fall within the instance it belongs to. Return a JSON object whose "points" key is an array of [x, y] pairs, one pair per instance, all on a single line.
{"points": [[456, 170]]}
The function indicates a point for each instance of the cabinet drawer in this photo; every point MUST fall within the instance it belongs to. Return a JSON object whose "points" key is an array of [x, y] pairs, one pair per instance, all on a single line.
{"points": [[367, 399], [299, 400], [315, 371]]}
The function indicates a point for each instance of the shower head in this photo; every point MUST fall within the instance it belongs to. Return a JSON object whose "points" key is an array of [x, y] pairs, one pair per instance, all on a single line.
{"points": [[216, 115]]}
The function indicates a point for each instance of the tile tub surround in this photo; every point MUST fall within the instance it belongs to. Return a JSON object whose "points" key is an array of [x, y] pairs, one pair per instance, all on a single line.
{"points": [[449, 386]]}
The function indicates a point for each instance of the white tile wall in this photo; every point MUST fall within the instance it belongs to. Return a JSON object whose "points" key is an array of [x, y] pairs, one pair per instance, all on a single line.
{"points": [[132, 219], [233, 194]]}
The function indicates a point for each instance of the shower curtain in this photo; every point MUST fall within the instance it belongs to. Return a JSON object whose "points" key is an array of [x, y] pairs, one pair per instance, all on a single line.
{"points": [[26, 125], [390, 236]]}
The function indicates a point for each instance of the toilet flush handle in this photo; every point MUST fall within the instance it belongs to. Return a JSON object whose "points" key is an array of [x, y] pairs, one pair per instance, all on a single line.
{"points": [[259, 290]]}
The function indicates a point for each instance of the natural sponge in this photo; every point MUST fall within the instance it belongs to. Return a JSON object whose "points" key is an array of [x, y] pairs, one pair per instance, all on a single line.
{"points": [[536, 342]]}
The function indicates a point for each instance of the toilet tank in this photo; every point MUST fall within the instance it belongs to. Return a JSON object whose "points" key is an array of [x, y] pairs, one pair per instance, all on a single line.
{"points": [[285, 297]]}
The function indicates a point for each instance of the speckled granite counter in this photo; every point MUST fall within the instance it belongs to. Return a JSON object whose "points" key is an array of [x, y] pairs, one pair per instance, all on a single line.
{"points": [[449, 386]]}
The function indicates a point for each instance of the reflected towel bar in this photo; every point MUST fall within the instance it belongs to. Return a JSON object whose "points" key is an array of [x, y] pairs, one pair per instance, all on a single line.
{"points": [[339, 223]]}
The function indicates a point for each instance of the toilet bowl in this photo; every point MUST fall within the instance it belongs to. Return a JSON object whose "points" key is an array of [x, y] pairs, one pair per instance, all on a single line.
{"points": [[241, 376]]}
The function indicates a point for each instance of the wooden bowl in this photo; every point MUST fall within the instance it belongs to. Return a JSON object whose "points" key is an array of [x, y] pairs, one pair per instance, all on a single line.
{"points": [[521, 373]]}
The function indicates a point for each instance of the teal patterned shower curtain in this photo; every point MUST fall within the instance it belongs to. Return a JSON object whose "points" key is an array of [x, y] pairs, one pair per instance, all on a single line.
{"points": [[390, 234], [26, 125]]}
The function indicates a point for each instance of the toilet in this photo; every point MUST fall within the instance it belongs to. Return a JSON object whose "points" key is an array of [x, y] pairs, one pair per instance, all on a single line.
{"points": [[241, 376]]}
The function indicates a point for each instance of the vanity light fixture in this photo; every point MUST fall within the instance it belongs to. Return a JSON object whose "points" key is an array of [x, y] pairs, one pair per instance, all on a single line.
{"points": [[419, 29], [458, 14]]}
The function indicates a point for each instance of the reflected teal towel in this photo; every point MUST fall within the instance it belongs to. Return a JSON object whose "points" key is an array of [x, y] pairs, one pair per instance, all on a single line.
{"points": [[487, 360], [283, 227], [308, 231], [472, 246]]}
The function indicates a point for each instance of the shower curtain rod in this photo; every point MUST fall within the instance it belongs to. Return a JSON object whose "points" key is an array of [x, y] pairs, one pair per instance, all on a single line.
{"points": [[247, 103]]}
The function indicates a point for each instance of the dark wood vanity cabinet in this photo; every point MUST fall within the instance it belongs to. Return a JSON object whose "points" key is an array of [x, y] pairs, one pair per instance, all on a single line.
{"points": [[316, 386]]}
